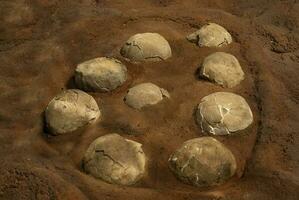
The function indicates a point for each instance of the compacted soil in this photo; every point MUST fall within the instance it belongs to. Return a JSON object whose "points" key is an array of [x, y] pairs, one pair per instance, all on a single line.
{"points": [[42, 41]]}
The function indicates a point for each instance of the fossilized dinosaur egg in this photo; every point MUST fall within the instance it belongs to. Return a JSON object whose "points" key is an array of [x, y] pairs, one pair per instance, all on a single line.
{"points": [[210, 35], [222, 113], [100, 74], [203, 162], [223, 69], [70, 110], [115, 159], [145, 94], [146, 47]]}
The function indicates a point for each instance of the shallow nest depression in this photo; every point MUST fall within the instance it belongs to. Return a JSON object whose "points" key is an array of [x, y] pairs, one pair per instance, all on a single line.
{"points": [[42, 42]]}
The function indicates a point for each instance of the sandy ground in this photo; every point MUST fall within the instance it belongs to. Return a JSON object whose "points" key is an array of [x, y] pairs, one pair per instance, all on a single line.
{"points": [[42, 41]]}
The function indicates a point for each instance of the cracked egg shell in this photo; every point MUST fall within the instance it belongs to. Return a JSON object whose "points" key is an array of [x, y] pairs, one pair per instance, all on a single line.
{"points": [[146, 47], [100, 74], [71, 110], [211, 35], [222, 113], [115, 160], [203, 162], [223, 69], [145, 94]]}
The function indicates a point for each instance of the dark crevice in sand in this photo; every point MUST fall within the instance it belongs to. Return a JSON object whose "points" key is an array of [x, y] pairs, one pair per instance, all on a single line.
{"points": [[183, 20], [259, 118], [254, 71]]}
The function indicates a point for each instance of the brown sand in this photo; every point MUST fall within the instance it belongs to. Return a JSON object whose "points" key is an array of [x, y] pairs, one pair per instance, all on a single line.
{"points": [[42, 41]]}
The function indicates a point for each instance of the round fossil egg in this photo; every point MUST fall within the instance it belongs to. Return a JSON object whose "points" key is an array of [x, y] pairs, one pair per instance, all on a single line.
{"points": [[222, 68], [146, 47], [71, 110], [100, 74], [222, 113], [210, 35], [203, 162], [145, 94], [115, 160]]}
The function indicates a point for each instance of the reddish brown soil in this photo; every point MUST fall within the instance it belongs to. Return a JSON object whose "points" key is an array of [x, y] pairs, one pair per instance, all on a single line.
{"points": [[42, 41]]}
